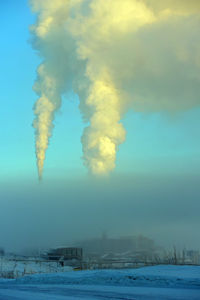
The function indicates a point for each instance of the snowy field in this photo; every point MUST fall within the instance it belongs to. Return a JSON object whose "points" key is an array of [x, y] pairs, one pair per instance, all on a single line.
{"points": [[15, 268], [148, 283]]}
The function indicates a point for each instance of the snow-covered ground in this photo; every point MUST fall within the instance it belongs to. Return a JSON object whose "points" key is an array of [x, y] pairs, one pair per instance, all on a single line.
{"points": [[158, 282], [17, 267]]}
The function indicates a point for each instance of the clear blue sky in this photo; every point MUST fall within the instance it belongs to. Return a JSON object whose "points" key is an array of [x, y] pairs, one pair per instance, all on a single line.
{"points": [[155, 143]]}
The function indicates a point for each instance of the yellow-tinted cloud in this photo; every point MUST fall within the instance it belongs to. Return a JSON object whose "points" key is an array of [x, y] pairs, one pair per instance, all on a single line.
{"points": [[116, 54], [105, 133], [175, 6]]}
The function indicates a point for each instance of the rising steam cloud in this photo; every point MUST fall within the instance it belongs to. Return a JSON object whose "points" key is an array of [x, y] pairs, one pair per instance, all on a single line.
{"points": [[116, 55]]}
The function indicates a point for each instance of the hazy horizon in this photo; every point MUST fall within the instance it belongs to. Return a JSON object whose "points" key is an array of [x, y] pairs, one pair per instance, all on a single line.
{"points": [[164, 208]]}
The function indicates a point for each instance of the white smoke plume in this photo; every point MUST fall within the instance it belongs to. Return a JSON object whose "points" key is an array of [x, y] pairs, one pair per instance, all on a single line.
{"points": [[116, 55]]}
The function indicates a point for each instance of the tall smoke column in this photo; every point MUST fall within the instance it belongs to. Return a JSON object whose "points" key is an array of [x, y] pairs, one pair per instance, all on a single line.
{"points": [[106, 21], [47, 86], [44, 110], [116, 55], [105, 133]]}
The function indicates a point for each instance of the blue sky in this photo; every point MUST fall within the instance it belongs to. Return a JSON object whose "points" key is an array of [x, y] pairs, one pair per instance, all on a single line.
{"points": [[155, 143], [154, 189]]}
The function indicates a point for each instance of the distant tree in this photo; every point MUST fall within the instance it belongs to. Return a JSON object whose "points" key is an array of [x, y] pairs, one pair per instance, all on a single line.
{"points": [[175, 255], [183, 256]]}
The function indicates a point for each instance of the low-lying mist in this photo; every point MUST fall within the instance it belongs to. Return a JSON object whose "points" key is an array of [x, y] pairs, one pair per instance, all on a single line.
{"points": [[165, 208]]}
